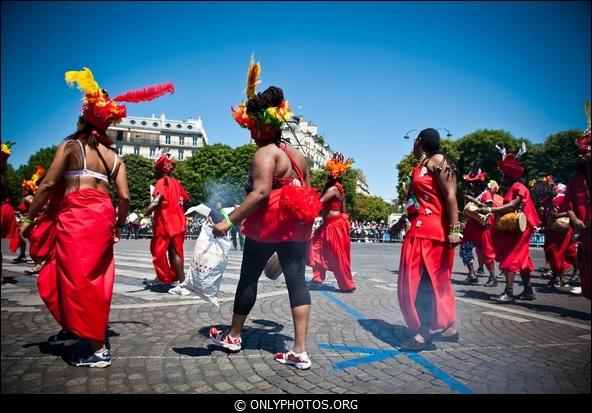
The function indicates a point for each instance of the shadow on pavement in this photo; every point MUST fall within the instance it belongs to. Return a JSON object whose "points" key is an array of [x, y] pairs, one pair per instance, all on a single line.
{"points": [[391, 334], [252, 339]]}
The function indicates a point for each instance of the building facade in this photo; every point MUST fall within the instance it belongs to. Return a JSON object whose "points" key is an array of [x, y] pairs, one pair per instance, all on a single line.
{"points": [[307, 141], [142, 136]]}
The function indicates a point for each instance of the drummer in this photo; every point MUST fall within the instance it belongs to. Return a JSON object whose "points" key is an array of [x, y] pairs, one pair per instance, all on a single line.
{"points": [[513, 248], [560, 248], [478, 233]]}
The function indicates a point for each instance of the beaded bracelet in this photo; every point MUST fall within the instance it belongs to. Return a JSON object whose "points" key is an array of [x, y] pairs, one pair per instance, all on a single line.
{"points": [[454, 229], [227, 218], [27, 220]]}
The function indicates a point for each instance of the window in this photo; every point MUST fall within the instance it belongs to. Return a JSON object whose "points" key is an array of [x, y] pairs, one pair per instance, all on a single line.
{"points": [[167, 139], [180, 154], [152, 151], [136, 150], [195, 141], [143, 123], [181, 140], [119, 135], [119, 149], [155, 124], [133, 122], [193, 152], [189, 127], [168, 125], [178, 126]]}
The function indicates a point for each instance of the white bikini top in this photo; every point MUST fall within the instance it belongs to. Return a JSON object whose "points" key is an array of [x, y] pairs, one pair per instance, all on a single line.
{"points": [[88, 172]]}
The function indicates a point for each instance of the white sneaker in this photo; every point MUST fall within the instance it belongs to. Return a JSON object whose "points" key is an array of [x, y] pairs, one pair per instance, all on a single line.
{"points": [[576, 290], [179, 290]]}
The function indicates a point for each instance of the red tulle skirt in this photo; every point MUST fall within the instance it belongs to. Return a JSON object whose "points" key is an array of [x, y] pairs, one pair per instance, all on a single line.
{"points": [[436, 258], [76, 283]]}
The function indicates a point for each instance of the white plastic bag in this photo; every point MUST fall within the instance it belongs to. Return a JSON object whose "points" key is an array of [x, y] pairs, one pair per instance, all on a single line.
{"points": [[210, 257]]}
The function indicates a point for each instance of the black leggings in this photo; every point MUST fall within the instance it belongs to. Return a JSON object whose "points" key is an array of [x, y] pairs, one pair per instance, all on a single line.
{"points": [[255, 255]]}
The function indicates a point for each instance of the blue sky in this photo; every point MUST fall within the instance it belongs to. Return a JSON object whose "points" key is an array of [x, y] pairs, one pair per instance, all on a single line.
{"points": [[365, 73]]}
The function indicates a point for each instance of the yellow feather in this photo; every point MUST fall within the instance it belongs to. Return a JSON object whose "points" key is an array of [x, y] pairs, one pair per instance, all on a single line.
{"points": [[84, 80], [253, 80]]}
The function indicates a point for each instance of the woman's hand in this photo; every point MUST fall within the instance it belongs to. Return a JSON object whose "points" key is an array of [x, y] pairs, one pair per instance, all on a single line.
{"points": [[25, 230], [220, 229], [484, 210], [577, 224], [116, 235], [454, 240]]}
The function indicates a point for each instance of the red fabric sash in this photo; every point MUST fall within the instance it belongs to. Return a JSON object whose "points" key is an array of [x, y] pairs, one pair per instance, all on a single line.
{"points": [[76, 283]]}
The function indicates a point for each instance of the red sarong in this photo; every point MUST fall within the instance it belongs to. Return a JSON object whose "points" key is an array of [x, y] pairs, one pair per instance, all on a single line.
{"points": [[435, 258], [8, 226], [76, 283], [42, 238], [329, 250], [159, 246]]}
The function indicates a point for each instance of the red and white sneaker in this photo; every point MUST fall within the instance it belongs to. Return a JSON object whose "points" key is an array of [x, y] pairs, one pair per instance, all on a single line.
{"points": [[300, 361], [222, 339]]}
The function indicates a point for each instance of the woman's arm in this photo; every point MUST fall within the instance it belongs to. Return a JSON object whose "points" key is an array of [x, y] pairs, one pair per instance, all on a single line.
{"points": [[54, 177], [446, 181], [152, 205], [123, 196], [504, 209], [262, 169]]}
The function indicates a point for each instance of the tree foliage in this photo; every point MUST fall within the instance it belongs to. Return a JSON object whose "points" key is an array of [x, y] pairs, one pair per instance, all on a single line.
{"points": [[372, 208], [11, 185], [43, 157], [140, 176]]}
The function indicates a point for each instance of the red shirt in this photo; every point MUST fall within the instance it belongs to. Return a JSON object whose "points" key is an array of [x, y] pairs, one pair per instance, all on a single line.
{"points": [[526, 206], [577, 198], [473, 228], [430, 221], [169, 218]]}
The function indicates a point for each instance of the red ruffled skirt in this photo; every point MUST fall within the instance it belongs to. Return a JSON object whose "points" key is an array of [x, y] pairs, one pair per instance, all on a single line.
{"points": [[76, 283]]}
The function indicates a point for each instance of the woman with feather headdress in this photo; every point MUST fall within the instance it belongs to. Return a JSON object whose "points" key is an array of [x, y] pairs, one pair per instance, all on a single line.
{"points": [[76, 283], [278, 213]]}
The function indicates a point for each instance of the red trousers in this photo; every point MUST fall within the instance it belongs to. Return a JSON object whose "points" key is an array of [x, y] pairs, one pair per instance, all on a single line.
{"points": [[560, 250], [434, 260], [159, 247], [76, 283], [329, 250]]}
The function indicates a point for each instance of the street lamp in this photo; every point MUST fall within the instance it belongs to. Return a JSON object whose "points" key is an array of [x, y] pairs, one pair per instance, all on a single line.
{"points": [[448, 134], [408, 132]]}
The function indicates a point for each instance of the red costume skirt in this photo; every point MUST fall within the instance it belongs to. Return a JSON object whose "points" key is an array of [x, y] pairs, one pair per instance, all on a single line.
{"points": [[76, 283], [560, 250], [584, 266], [159, 246], [271, 225], [329, 250], [435, 258], [512, 250], [8, 228], [42, 239]]}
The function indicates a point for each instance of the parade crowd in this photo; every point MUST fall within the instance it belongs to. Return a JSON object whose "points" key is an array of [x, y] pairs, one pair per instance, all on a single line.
{"points": [[282, 225]]}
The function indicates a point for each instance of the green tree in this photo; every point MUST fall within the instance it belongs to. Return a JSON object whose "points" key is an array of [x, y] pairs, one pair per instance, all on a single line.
{"points": [[140, 176], [372, 208], [43, 157], [11, 185], [558, 155]]}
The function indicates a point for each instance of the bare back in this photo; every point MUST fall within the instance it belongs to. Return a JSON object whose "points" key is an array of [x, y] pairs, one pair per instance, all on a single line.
{"points": [[75, 162]]}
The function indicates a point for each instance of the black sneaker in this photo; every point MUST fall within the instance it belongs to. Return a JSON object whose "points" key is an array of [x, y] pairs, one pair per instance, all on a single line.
{"points": [[411, 344], [63, 338], [505, 298], [554, 282], [491, 282], [526, 296], [471, 280], [480, 272], [100, 360]]}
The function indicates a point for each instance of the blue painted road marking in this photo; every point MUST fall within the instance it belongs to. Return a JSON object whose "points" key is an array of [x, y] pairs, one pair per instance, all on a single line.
{"points": [[379, 354]]}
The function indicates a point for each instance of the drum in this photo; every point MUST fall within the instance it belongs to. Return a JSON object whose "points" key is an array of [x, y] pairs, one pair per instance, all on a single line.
{"points": [[560, 224], [471, 211], [511, 222], [273, 269]]}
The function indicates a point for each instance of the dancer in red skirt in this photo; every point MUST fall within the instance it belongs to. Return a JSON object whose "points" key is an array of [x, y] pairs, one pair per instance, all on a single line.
{"points": [[278, 213], [166, 246], [425, 293], [329, 248], [76, 283], [560, 248], [513, 248], [578, 204]]}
